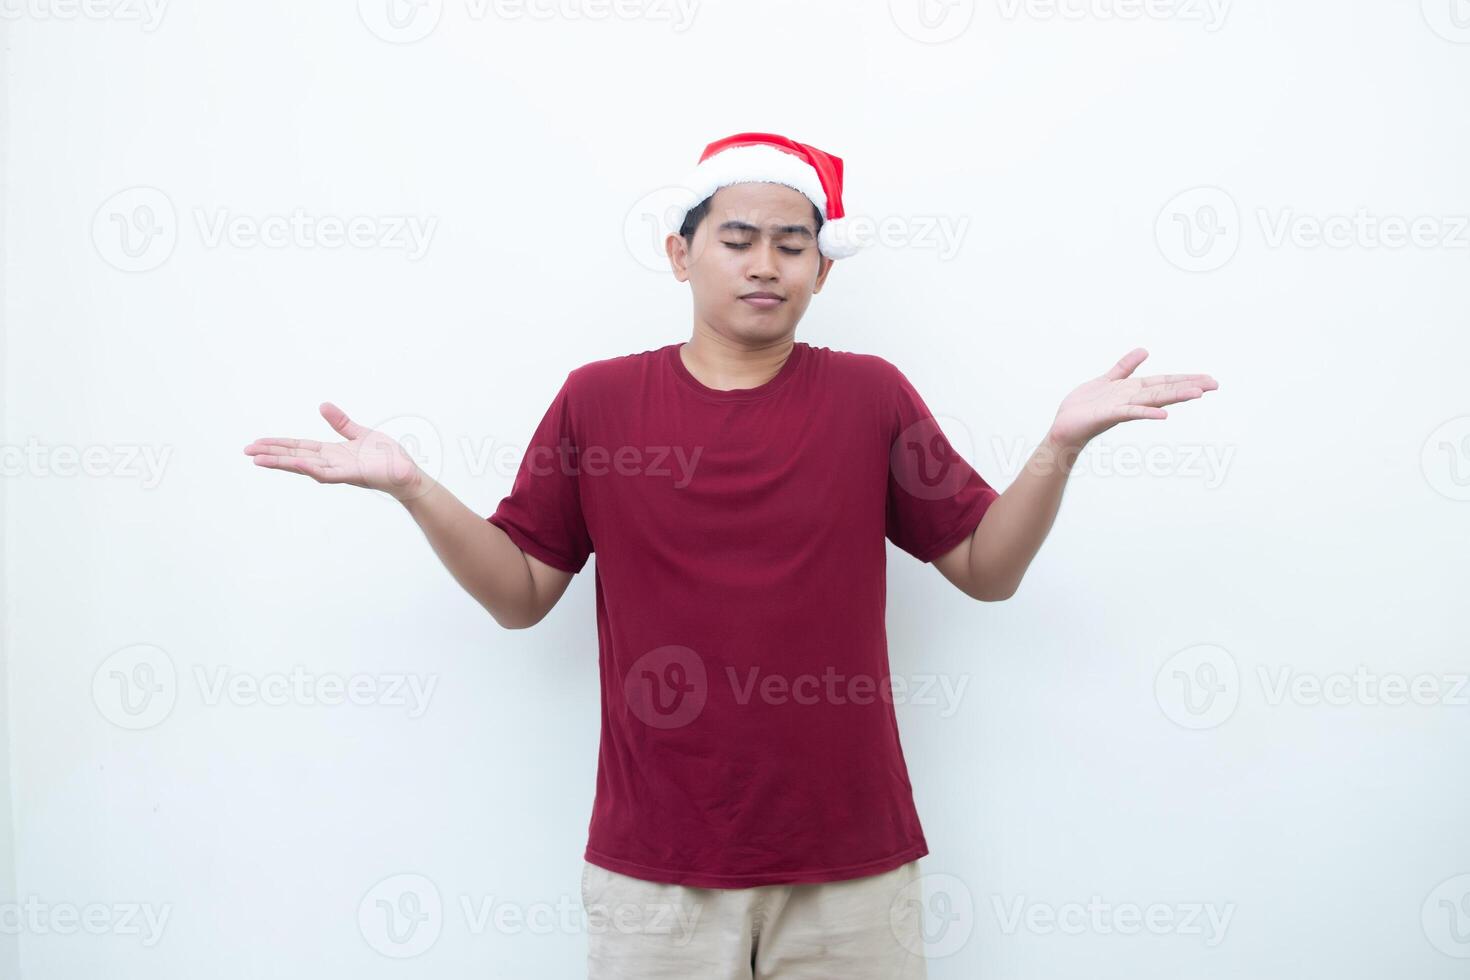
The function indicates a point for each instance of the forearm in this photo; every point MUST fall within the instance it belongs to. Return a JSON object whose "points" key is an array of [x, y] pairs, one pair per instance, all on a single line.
{"points": [[481, 557], [1006, 541]]}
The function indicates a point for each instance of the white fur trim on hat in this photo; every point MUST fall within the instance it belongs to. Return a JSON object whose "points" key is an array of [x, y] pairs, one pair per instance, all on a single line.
{"points": [[761, 163]]}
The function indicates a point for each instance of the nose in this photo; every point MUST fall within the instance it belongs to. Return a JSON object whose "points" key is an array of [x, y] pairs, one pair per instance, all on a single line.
{"points": [[762, 257]]}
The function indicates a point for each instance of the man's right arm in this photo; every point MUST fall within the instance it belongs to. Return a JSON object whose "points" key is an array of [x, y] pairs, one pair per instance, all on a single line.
{"points": [[517, 589]]}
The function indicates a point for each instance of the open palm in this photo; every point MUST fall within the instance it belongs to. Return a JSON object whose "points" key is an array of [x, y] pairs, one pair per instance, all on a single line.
{"points": [[1097, 405], [368, 458]]}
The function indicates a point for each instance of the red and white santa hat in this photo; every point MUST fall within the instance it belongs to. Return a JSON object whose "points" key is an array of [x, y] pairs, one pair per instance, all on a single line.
{"points": [[753, 157]]}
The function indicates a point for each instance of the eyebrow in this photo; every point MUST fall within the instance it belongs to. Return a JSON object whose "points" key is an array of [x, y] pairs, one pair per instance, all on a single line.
{"points": [[801, 230]]}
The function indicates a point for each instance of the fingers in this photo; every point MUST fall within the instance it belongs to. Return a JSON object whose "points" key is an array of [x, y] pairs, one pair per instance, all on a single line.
{"points": [[282, 447], [1168, 394], [1208, 383], [1125, 366], [1143, 412], [338, 420], [311, 466]]}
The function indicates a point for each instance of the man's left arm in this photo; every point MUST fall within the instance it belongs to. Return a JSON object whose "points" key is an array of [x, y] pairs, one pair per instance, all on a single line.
{"points": [[990, 563]]}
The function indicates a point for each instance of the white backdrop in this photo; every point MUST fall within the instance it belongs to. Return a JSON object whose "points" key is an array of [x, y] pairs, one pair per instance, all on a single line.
{"points": [[1219, 732]]}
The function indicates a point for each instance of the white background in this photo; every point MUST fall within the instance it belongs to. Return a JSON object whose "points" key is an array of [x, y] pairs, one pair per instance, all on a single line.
{"points": [[1053, 144]]}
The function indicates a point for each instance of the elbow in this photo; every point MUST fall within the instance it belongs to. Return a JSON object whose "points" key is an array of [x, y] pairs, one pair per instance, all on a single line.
{"points": [[516, 619], [993, 591]]}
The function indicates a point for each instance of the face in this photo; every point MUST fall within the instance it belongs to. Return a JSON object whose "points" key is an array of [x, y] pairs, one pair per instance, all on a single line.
{"points": [[757, 238]]}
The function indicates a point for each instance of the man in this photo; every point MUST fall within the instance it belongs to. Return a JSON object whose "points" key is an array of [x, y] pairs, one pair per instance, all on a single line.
{"points": [[753, 809]]}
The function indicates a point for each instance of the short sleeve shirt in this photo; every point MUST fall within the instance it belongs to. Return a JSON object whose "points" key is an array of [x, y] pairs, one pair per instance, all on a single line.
{"points": [[748, 730]]}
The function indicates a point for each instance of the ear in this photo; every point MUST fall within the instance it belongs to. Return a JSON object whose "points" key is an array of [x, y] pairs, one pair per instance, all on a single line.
{"points": [[824, 266], [678, 252]]}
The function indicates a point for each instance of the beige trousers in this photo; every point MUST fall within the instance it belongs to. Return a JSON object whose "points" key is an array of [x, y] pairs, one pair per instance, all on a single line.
{"points": [[860, 929]]}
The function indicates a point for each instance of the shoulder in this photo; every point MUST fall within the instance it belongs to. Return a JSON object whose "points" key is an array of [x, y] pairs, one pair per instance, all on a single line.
{"points": [[610, 374], [866, 372]]}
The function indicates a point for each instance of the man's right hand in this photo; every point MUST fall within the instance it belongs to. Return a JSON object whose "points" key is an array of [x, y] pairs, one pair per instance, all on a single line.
{"points": [[367, 459]]}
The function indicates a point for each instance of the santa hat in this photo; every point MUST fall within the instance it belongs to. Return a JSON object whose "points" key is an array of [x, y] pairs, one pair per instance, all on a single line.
{"points": [[766, 157]]}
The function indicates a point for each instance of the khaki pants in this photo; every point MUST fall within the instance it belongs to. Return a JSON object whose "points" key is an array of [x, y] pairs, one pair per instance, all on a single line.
{"points": [[860, 929]]}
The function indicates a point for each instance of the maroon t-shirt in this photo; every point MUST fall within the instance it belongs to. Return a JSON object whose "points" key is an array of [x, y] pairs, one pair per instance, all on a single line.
{"points": [[748, 729]]}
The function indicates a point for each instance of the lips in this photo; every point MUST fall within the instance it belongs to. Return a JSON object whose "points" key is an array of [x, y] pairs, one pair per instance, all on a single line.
{"points": [[763, 301]]}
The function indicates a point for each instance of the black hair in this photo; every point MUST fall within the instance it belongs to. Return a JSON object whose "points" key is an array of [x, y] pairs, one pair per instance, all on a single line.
{"points": [[696, 215]]}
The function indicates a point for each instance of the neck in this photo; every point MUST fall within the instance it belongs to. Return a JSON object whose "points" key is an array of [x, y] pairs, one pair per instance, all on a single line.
{"points": [[725, 365]]}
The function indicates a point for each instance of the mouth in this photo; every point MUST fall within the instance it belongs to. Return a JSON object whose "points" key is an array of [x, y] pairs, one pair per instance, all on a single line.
{"points": [[762, 301]]}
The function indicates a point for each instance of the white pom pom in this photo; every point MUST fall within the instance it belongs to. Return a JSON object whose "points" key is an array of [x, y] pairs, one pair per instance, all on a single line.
{"points": [[838, 239]]}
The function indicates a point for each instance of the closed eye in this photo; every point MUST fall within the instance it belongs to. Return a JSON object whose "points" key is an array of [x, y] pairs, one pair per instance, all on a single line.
{"points": [[784, 248]]}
